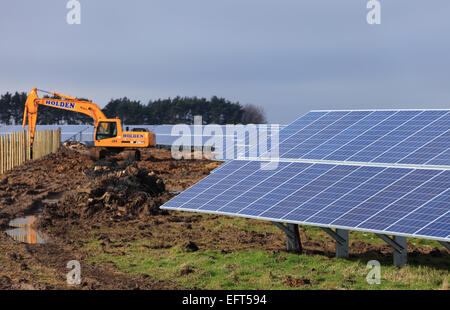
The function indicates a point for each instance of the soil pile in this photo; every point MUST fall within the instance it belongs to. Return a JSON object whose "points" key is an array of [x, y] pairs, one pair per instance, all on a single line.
{"points": [[114, 193], [76, 146], [23, 189]]}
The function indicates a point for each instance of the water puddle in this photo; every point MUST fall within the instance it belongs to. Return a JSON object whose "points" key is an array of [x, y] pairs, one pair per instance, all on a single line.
{"points": [[22, 227], [22, 230]]}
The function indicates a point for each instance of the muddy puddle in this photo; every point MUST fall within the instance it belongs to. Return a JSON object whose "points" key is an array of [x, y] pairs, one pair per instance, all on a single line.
{"points": [[21, 228]]}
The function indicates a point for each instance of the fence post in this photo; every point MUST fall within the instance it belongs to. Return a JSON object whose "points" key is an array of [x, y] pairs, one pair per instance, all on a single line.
{"points": [[2, 155], [27, 145], [2, 151], [15, 148], [34, 149], [58, 139], [8, 141], [11, 143]]}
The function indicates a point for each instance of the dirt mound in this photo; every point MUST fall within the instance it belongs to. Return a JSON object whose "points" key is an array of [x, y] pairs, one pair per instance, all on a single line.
{"points": [[297, 282], [114, 193], [5, 282], [191, 247], [76, 146], [23, 189]]}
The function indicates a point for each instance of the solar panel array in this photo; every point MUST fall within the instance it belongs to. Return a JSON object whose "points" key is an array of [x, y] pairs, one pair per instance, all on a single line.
{"points": [[403, 137], [341, 169]]}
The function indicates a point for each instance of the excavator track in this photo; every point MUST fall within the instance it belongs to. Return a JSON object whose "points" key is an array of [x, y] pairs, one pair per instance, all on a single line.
{"points": [[97, 154], [100, 153]]}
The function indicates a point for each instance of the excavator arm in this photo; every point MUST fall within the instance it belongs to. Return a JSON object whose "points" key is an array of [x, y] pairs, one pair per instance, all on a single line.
{"points": [[67, 103]]}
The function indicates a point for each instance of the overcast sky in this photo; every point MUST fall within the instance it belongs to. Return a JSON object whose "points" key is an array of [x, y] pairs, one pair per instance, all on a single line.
{"points": [[289, 56]]}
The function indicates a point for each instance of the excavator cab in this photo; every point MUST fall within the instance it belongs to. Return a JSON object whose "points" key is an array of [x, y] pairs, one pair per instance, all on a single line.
{"points": [[106, 130]]}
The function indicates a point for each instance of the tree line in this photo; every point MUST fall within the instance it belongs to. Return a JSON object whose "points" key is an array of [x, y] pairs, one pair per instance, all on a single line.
{"points": [[178, 110]]}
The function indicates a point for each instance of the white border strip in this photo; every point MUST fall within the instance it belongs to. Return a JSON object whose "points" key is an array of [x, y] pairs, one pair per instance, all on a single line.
{"points": [[344, 110], [349, 163]]}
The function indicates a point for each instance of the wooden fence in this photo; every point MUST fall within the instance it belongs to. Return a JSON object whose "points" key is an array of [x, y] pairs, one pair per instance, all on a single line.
{"points": [[15, 147]]}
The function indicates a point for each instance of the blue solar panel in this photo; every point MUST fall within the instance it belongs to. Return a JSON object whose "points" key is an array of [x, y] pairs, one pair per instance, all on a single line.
{"points": [[389, 200], [419, 137], [360, 170]]}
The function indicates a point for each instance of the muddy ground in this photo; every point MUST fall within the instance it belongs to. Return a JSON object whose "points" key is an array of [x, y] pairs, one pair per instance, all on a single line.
{"points": [[117, 201], [76, 187]]}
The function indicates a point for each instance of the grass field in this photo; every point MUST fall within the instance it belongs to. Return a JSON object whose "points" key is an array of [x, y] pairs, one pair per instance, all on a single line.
{"points": [[213, 268]]}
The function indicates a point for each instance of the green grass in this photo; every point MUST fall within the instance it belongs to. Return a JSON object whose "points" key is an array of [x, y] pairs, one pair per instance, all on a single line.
{"points": [[262, 269], [257, 269]]}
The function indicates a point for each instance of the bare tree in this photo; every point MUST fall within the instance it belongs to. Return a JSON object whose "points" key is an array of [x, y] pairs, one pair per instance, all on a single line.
{"points": [[253, 115]]}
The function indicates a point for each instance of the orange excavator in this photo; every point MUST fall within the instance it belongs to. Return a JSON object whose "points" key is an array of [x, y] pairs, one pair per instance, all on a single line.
{"points": [[108, 136]]}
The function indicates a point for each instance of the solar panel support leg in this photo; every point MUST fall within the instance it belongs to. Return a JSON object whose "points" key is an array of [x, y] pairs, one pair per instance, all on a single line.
{"points": [[446, 244], [293, 242], [341, 237], [399, 245]]}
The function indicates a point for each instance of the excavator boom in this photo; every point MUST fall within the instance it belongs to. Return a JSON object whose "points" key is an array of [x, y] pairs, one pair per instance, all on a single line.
{"points": [[69, 103]]}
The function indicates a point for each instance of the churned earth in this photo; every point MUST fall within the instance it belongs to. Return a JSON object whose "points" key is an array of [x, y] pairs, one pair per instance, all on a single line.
{"points": [[106, 215]]}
